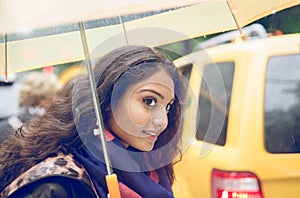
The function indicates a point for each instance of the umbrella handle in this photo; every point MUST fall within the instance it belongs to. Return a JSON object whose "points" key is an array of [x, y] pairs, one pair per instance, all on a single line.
{"points": [[113, 186]]}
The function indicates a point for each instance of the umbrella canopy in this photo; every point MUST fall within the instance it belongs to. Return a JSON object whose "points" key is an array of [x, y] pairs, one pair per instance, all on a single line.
{"points": [[45, 34], [17, 15]]}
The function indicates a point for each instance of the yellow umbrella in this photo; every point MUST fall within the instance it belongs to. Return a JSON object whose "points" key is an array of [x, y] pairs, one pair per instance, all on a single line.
{"points": [[169, 21]]}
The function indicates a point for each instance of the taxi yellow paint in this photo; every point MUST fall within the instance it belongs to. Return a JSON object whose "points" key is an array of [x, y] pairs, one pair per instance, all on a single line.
{"points": [[244, 150]]}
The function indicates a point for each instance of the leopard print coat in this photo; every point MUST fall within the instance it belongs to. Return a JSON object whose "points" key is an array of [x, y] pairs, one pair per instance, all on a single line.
{"points": [[57, 165]]}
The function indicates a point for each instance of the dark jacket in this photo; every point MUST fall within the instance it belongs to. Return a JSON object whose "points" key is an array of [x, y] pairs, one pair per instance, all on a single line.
{"points": [[54, 186], [58, 176]]}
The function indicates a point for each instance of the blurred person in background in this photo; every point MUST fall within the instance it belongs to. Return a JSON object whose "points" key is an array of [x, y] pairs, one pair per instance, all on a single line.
{"points": [[36, 90]]}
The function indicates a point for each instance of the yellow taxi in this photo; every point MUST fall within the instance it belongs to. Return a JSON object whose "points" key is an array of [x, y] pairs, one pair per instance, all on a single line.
{"points": [[242, 121]]}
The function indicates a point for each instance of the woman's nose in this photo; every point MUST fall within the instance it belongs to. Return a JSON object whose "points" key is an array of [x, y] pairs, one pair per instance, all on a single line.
{"points": [[159, 116]]}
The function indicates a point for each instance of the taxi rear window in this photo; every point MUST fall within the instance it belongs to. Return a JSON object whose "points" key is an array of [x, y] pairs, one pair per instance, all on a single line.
{"points": [[214, 102], [282, 104]]}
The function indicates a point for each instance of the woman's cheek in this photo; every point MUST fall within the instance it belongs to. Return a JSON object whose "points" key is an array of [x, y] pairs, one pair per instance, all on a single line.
{"points": [[137, 113]]}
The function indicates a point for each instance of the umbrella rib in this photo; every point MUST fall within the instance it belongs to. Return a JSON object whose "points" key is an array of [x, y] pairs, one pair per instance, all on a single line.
{"points": [[124, 29], [235, 19], [5, 58]]}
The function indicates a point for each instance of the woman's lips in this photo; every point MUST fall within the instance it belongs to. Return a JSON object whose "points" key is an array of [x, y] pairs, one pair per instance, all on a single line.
{"points": [[150, 133], [152, 136]]}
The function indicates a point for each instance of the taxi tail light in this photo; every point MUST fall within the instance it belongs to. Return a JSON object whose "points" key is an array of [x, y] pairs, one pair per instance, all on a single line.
{"points": [[227, 184]]}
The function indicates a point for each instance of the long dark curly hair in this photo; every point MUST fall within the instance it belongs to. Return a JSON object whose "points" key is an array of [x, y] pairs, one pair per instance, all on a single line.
{"points": [[57, 130]]}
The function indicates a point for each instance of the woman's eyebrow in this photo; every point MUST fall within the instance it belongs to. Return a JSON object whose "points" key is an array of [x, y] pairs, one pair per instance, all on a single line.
{"points": [[153, 91]]}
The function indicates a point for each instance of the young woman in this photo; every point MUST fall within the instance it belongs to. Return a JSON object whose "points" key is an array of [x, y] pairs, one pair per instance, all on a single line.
{"points": [[140, 94]]}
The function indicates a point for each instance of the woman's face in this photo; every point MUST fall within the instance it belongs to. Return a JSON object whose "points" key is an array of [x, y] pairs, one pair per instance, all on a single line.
{"points": [[140, 115]]}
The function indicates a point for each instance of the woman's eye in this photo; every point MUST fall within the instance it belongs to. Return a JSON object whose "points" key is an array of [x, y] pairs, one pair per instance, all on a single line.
{"points": [[149, 101], [168, 108]]}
